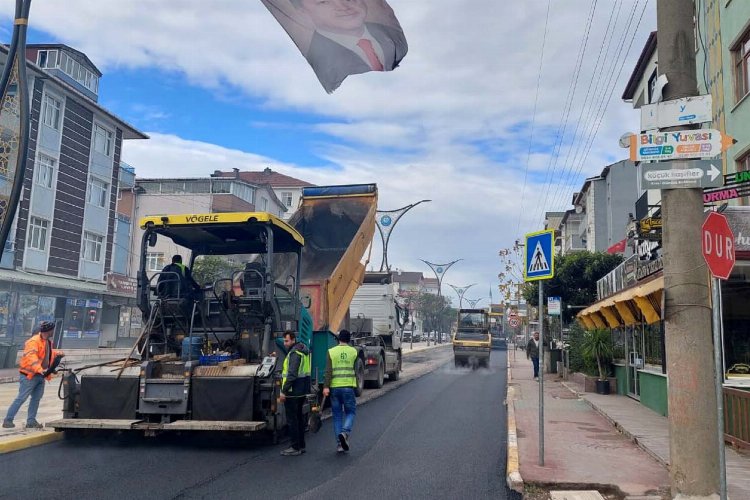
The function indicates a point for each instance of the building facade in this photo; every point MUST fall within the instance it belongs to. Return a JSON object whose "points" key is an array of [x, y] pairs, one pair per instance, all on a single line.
{"points": [[191, 196], [65, 236], [286, 188]]}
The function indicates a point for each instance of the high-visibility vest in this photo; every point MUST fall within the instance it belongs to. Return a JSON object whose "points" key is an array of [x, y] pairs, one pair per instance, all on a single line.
{"points": [[301, 384], [37, 357], [343, 358]]}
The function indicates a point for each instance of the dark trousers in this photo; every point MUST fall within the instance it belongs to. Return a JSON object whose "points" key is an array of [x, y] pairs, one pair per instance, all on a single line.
{"points": [[535, 362], [296, 422]]}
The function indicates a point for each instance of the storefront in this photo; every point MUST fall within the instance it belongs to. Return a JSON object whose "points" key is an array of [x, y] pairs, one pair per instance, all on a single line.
{"points": [[632, 308], [86, 315]]}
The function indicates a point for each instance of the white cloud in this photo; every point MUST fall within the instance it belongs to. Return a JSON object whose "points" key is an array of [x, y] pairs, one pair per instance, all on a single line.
{"points": [[451, 124]]}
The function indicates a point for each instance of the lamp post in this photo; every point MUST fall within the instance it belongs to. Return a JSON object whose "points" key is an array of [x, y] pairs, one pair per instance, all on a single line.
{"points": [[439, 270], [14, 122], [386, 221], [473, 302], [460, 291]]}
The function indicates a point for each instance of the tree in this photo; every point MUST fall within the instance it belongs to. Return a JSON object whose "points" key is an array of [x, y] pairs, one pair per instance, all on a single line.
{"points": [[435, 311], [209, 268], [575, 280]]}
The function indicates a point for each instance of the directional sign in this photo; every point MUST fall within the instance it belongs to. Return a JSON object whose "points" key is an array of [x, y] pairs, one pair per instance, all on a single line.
{"points": [[676, 112], [679, 145], [718, 245], [682, 174], [540, 264]]}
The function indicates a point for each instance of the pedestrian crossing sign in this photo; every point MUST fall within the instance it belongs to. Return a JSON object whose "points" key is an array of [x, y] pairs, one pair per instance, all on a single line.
{"points": [[540, 256]]}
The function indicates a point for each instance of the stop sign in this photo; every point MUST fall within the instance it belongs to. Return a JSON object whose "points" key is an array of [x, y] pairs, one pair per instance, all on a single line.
{"points": [[718, 245]]}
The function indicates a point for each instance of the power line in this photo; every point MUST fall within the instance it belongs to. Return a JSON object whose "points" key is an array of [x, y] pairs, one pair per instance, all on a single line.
{"points": [[533, 118], [552, 166]]}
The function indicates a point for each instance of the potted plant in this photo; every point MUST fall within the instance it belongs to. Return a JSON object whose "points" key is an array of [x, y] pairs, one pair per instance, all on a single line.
{"points": [[597, 344]]}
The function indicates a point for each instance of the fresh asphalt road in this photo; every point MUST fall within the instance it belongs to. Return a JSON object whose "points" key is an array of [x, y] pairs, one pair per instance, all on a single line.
{"points": [[440, 436]]}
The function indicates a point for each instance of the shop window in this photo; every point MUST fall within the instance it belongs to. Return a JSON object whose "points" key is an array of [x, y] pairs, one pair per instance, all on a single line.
{"points": [[652, 344], [4, 313], [736, 314], [27, 313]]}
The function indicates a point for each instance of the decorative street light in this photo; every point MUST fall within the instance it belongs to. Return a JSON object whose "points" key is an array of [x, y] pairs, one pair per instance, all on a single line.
{"points": [[460, 291], [14, 121], [440, 270], [386, 221], [473, 302]]}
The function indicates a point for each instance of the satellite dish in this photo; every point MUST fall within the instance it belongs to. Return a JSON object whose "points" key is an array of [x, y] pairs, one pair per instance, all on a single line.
{"points": [[625, 139]]}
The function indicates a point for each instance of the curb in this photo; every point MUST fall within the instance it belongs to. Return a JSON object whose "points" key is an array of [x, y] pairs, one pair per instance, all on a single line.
{"points": [[512, 472], [29, 441], [617, 426]]}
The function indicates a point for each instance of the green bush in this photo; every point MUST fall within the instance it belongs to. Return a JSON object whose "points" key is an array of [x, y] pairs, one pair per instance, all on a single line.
{"points": [[579, 361], [597, 345]]}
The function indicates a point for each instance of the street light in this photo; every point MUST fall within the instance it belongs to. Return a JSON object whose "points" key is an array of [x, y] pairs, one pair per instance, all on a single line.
{"points": [[439, 270], [460, 291], [473, 302], [386, 221], [14, 121]]}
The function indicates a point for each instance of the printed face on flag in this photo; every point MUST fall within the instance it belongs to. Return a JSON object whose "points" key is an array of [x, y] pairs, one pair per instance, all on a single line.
{"points": [[342, 37]]}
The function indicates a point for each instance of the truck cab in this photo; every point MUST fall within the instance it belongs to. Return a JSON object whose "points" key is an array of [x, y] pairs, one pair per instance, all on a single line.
{"points": [[472, 343]]}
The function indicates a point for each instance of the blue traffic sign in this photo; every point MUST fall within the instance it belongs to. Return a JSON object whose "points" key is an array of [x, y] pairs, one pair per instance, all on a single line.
{"points": [[540, 256]]}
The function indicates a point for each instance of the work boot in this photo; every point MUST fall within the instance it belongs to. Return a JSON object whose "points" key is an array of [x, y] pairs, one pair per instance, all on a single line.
{"points": [[33, 424], [8, 424], [291, 452], [344, 441]]}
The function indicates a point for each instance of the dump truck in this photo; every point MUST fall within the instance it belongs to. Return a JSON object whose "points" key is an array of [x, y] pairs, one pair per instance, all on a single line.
{"points": [[472, 344], [377, 323], [210, 359]]}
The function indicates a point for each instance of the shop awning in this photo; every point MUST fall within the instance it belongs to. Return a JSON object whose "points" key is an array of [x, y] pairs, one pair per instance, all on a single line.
{"points": [[624, 308], [51, 281]]}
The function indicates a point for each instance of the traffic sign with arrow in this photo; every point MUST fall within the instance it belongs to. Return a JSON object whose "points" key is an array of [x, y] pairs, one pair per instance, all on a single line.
{"points": [[682, 174]]}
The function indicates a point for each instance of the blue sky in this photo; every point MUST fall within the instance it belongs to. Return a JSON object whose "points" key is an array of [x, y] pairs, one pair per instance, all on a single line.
{"points": [[227, 88]]}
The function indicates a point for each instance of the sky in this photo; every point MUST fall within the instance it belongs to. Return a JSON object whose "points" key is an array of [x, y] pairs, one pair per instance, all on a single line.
{"points": [[497, 114]]}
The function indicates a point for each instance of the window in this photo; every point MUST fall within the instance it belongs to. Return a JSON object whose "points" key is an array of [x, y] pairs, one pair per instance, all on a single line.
{"points": [[47, 59], [743, 164], [154, 261], [98, 191], [37, 239], [45, 171], [92, 246], [51, 112], [102, 140], [263, 205], [286, 198], [740, 56]]}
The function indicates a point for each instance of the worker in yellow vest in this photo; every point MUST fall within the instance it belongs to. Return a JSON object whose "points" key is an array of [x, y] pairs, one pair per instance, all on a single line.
{"points": [[295, 386], [340, 381]]}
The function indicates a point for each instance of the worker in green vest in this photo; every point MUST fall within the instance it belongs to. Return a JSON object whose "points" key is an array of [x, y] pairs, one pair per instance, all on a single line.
{"points": [[295, 386], [340, 381]]}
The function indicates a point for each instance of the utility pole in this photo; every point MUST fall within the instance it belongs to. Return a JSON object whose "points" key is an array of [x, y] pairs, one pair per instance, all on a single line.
{"points": [[693, 440]]}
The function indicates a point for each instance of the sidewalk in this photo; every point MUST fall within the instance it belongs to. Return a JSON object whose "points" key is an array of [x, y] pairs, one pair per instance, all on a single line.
{"points": [[567, 407], [73, 359], [582, 449]]}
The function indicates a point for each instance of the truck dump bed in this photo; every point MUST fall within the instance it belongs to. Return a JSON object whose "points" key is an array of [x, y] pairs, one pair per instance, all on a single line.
{"points": [[338, 224]]}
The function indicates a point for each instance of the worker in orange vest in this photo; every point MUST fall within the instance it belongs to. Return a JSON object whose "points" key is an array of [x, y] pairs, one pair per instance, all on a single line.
{"points": [[38, 363]]}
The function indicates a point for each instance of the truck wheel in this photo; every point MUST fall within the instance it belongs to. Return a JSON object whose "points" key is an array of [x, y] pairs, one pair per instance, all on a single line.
{"points": [[381, 374], [396, 374], [359, 373]]}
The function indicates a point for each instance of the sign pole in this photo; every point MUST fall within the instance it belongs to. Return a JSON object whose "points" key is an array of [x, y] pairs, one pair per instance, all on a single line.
{"points": [[719, 371], [541, 375]]}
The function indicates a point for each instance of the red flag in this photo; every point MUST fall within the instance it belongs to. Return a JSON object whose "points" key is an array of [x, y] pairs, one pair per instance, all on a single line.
{"points": [[618, 247]]}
